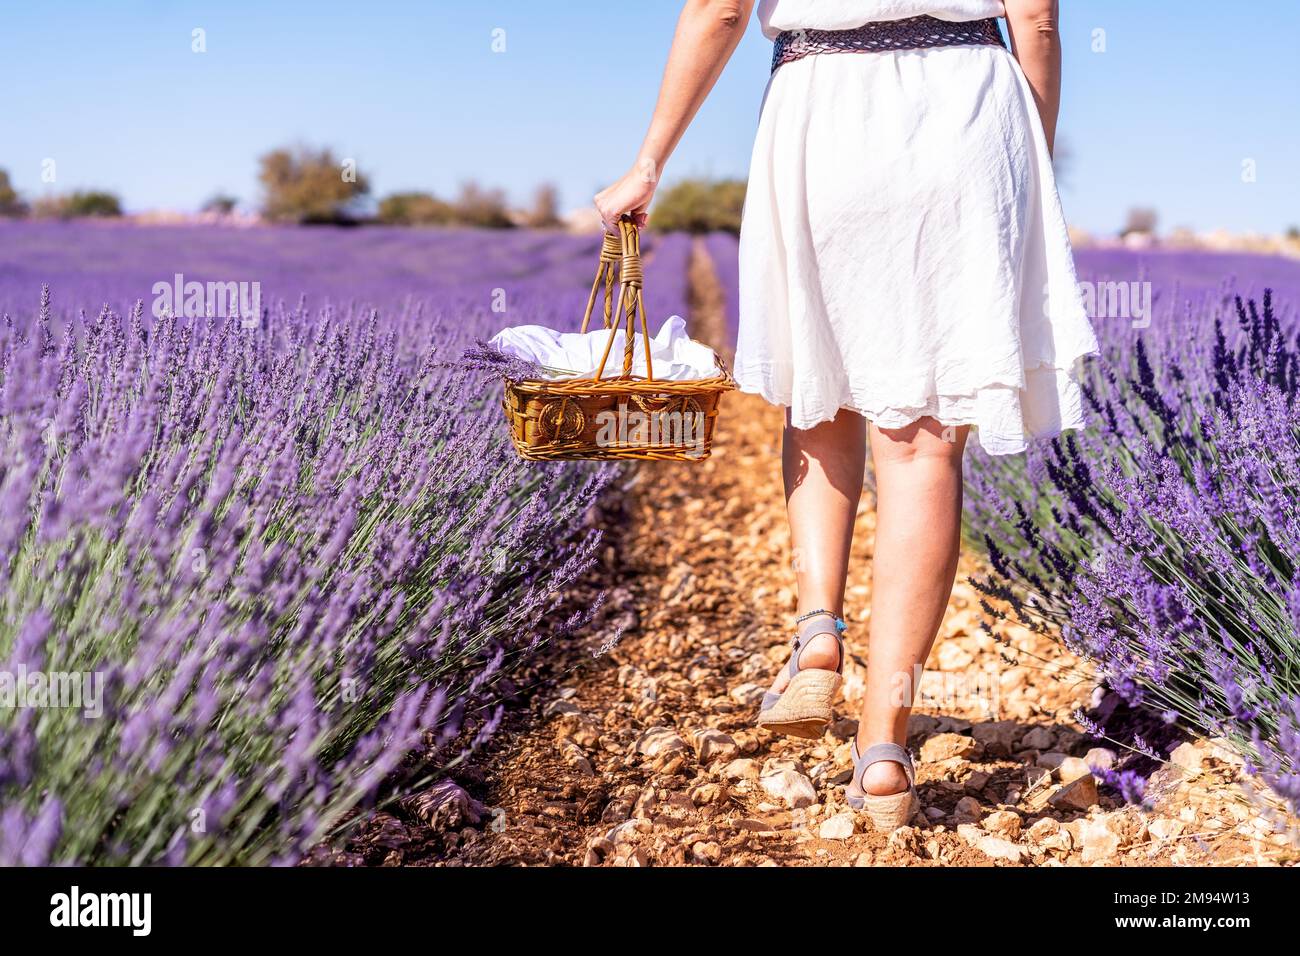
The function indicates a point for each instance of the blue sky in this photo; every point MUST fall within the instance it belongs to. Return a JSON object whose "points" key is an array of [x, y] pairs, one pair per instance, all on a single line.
{"points": [[1184, 93]]}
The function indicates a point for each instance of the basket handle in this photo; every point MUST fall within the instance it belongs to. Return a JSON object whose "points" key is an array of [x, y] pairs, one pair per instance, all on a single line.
{"points": [[621, 253], [611, 250]]}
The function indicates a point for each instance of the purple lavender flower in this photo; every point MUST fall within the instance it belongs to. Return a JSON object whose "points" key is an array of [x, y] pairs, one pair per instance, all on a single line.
{"points": [[1165, 540], [296, 554]]}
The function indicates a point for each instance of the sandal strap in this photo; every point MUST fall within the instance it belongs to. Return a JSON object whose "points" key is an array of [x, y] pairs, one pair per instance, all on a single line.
{"points": [[816, 627], [880, 752]]}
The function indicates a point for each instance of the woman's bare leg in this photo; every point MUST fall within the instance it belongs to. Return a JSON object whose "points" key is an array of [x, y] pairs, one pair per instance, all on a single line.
{"points": [[822, 467], [918, 528]]}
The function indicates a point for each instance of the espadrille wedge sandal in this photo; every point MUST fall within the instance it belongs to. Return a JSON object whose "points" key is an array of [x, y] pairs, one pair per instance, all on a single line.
{"points": [[805, 707], [891, 811]]}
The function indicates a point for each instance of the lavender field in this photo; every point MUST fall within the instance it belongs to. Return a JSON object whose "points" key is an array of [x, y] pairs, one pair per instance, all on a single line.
{"points": [[291, 563], [283, 566], [543, 275], [1164, 541]]}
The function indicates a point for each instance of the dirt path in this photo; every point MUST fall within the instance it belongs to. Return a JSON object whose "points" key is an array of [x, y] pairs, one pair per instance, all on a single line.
{"points": [[646, 754]]}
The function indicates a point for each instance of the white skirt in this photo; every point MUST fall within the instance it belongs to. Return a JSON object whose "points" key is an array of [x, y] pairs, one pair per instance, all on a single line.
{"points": [[903, 252]]}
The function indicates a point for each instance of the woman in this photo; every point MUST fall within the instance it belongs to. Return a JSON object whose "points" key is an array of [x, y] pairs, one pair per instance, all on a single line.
{"points": [[905, 275]]}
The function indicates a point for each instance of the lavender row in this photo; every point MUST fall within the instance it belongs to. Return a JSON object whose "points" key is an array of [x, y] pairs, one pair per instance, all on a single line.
{"points": [[1163, 542], [723, 249], [283, 566]]}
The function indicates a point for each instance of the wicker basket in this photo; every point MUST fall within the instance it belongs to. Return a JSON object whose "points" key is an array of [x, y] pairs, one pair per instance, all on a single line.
{"points": [[623, 416]]}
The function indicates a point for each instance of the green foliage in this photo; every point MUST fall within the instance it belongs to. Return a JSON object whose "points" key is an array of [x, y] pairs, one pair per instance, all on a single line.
{"points": [[78, 205], [545, 212], [1140, 220], [700, 206], [11, 203], [220, 203], [475, 206], [483, 208], [309, 186], [415, 209]]}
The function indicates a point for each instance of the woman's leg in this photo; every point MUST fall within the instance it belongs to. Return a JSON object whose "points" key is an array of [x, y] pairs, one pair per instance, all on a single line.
{"points": [[918, 527], [822, 467]]}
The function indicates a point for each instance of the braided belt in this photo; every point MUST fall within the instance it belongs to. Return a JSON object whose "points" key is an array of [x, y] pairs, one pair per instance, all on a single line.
{"points": [[914, 33]]}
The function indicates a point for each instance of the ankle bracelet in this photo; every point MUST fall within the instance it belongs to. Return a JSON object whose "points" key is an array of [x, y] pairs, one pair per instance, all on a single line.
{"points": [[840, 626]]}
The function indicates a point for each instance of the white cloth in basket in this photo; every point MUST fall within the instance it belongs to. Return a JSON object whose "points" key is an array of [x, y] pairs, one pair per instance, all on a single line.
{"points": [[674, 355]]}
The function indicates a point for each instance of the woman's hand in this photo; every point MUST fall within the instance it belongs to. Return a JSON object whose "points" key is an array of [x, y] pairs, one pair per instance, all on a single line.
{"points": [[630, 195]]}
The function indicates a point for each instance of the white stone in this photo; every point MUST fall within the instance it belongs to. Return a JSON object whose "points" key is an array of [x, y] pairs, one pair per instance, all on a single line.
{"points": [[1072, 768], [711, 745], [1102, 757], [1043, 830], [1099, 841], [660, 740], [791, 787], [1187, 756], [1165, 828], [748, 693], [1000, 849], [741, 768], [953, 657], [839, 827], [1003, 823]]}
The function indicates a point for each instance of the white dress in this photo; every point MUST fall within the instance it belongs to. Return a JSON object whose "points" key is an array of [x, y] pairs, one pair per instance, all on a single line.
{"points": [[903, 252]]}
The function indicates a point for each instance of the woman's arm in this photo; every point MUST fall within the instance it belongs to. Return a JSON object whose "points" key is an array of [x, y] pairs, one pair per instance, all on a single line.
{"points": [[708, 32], [1036, 42]]}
